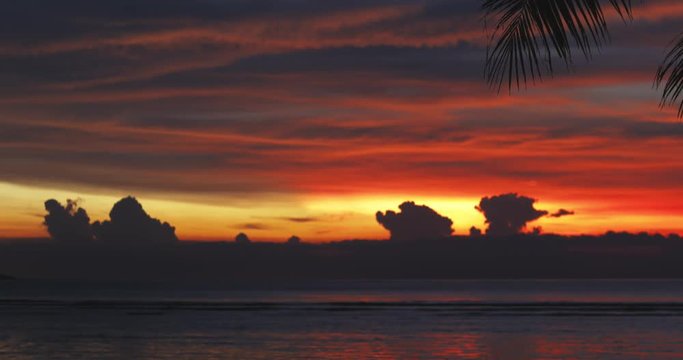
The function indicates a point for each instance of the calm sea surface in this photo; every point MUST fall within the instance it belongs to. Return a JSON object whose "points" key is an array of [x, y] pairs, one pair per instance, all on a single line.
{"points": [[344, 320]]}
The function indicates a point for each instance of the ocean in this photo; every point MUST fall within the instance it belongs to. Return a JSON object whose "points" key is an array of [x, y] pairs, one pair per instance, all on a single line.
{"points": [[415, 319]]}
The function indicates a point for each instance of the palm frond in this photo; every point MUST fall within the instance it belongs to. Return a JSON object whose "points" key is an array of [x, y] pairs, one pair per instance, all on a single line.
{"points": [[529, 34], [670, 76]]}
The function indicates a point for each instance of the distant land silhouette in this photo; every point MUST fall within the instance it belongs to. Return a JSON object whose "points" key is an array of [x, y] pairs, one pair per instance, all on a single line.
{"points": [[5, 277], [613, 255], [134, 247]]}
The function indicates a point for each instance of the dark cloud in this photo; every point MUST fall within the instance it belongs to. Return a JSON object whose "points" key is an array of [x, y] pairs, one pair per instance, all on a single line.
{"points": [[567, 125], [124, 170], [562, 212], [508, 214], [300, 219], [415, 222], [254, 226], [68, 223], [475, 232], [129, 223], [652, 129], [50, 25], [242, 238], [427, 63]]}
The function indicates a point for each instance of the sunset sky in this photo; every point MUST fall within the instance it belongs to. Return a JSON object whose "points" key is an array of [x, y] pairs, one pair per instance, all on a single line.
{"points": [[306, 117]]}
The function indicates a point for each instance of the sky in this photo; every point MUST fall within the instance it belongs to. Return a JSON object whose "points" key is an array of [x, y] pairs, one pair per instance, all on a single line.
{"points": [[306, 117]]}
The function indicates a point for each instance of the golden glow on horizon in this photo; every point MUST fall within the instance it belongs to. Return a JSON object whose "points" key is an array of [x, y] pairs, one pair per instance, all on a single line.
{"points": [[460, 210], [313, 218]]}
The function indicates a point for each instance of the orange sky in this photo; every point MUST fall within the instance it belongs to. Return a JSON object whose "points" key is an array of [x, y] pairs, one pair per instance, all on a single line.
{"points": [[279, 121]]}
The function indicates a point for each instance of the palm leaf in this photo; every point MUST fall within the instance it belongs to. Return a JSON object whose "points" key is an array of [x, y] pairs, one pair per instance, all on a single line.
{"points": [[670, 75], [529, 34]]}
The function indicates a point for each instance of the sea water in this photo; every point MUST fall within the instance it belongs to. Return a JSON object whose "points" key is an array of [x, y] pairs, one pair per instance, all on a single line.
{"points": [[416, 319]]}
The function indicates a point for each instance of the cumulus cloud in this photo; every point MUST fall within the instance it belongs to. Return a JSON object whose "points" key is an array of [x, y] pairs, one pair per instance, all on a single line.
{"points": [[475, 232], [562, 212], [68, 223], [415, 222], [508, 214], [130, 223], [242, 238]]}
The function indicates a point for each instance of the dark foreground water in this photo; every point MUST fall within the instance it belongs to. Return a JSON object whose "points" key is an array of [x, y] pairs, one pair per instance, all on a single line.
{"points": [[345, 320]]}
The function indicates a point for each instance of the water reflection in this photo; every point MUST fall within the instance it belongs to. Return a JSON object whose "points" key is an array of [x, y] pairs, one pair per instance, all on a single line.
{"points": [[359, 324], [391, 335]]}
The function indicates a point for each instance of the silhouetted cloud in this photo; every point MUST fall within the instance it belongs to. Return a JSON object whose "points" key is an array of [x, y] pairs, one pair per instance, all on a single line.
{"points": [[129, 223], [415, 222], [300, 219], [242, 238], [68, 223], [475, 232], [562, 212], [254, 226], [508, 214]]}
